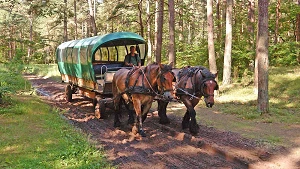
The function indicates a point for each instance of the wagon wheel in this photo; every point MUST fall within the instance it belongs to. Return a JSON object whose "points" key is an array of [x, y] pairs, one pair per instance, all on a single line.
{"points": [[99, 107], [68, 93]]}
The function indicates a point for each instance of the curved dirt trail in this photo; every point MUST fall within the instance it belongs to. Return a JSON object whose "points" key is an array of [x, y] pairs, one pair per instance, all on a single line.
{"points": [[166, 146]]}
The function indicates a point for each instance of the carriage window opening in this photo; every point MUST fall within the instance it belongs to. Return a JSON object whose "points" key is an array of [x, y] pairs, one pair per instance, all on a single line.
{"points": [[104, 54], [97, 55], [83, 56], [75, 55], [112, 53], [101, 53], [122, 52], [69, 55], [88, 52], [64, 55], [107, 53]]}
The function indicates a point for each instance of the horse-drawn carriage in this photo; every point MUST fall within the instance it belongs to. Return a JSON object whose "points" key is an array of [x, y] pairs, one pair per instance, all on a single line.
{"points": [[95, 68], [88, 65]]}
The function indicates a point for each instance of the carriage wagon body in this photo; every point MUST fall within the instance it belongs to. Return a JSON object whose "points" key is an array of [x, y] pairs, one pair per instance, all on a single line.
{"points": [[89, 64]]}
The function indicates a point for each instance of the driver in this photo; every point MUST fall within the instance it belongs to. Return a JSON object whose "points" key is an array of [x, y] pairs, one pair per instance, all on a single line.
{"points": [[132, 59]]}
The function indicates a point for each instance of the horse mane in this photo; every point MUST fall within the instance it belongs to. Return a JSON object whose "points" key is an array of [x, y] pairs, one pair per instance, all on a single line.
{"points": [[190, 71], [165, 68]]}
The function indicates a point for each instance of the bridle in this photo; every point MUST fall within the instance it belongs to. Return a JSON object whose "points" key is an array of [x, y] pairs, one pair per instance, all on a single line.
{"points": [[204, 94], [162, 79]]}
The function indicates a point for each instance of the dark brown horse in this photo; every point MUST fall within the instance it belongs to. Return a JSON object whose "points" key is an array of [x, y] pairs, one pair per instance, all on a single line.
{"points": [[138, 87], [191, 84]]}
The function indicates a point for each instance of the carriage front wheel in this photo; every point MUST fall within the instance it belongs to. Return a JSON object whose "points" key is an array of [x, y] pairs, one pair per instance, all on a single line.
{"points": [[99, 106], [68, 93]]}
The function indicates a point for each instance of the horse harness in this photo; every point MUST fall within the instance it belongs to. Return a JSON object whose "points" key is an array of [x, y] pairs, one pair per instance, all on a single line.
{"points": [[143, 89], [190, 73]]}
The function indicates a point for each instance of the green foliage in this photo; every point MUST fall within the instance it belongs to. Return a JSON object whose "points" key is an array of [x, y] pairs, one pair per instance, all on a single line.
{"points": [[284, 54], [11, 81], [193, 55], [43, 139]]}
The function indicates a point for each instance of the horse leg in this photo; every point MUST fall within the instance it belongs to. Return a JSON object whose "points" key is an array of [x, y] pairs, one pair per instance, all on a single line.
{"points": [[194, 127], [131, 112], [162, 112], [117, 122], [145, 111], [186, 120], [138, 127]]}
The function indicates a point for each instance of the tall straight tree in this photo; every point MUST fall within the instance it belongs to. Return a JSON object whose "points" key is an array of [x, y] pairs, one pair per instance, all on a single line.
{"points": [[262, 56], [210, 36], [149, 55], [159, 18], [298, 32], [172, 57], [277, 21], [65, 22], [228, 44], [92, 18]]}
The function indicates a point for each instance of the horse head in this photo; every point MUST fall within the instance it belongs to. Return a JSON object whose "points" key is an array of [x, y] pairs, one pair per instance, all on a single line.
{"points": [[208, 86], [164, 81]]}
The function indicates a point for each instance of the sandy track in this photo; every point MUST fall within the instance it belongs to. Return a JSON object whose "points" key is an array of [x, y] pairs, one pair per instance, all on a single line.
{"points": [[166, 146]]}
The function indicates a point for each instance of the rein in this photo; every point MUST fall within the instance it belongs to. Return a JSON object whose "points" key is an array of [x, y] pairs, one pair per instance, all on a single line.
{"points": [[201, 89]]}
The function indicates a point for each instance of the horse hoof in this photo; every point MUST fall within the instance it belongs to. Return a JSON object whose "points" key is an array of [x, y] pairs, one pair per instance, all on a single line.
{"points": [[142, 133], [194, 129], [134, 130], [117, 124], [130, 121], [164, 121], [185, 125]]}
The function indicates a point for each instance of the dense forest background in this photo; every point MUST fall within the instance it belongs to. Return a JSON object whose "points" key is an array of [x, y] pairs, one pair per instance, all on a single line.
{"points": [[32, 29]]}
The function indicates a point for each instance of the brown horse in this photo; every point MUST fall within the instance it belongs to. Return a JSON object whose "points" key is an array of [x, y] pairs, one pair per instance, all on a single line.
{"points": [[138, 87], [191, 84]]}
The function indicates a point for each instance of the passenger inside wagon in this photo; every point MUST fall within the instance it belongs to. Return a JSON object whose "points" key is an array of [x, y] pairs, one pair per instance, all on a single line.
{"points": [[132, 59]]}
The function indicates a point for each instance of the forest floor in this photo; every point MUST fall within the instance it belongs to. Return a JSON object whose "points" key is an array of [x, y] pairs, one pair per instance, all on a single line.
{"points": [[168, 146]]}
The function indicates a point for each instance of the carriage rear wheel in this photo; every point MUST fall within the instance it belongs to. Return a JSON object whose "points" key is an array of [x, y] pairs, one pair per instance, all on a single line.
{"points": [[68, 93], [99, 105]]}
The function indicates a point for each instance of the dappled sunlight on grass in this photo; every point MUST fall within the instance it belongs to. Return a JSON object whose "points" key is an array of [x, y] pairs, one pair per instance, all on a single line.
{"points": [[39, 138]]}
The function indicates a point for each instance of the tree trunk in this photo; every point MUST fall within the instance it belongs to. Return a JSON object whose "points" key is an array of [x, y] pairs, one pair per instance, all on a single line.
{"points": [[159, 30], [140, 7], [149, 55], [181, 30], [228, 45], [210, 35], [92, 18], [251, 22], [298, 32], [75, 20], [262, 57], [65, 22], [30, 38], [172, 57], [219, 21], [277, 21]]}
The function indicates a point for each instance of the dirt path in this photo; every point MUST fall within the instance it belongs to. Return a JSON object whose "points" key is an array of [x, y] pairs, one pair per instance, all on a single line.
{"points": [[166, 146]]}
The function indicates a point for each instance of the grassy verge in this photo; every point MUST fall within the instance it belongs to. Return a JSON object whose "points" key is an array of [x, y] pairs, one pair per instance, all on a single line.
{"points": [[236, 106], [47, 71], [33, 135], [284, 95]]}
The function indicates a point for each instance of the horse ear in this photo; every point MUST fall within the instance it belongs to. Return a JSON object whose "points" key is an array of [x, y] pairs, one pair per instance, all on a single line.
{"points": [[202, 73], [216, 74], [161, 65]]}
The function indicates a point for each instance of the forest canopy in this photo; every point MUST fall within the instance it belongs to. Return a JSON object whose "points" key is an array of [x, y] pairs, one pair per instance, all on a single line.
{"points": [[32, 29]]}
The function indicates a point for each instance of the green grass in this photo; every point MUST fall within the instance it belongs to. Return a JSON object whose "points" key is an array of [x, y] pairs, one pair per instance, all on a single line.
{"points": [[284, 96], [34, 135], [47, 71]]}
